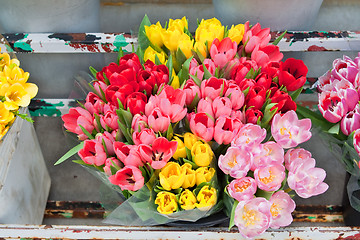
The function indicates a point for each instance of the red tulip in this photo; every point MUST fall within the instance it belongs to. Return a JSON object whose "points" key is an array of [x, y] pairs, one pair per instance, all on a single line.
{"points": [[292, 74]]}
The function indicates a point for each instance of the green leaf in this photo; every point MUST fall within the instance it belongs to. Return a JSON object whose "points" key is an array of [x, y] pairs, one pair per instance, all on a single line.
{"points": [[268, 115], [207, 74], [231, 222], [250, 74], [184, 75], [125, 132], [188, 154], [157, 60], [197, 81], [142, 38], [193, 165], [93, 71], [70, 153], [81, 162], [279, 38], [169, 132], [316, 118], [120, 54], [334, 129], [294, 95], [180, 58], [97, 119], [170, 66], [86, 132]]}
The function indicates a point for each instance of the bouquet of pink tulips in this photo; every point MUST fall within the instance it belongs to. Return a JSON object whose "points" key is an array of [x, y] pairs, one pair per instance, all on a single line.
{"points": [[339, 117], [164, 123]]}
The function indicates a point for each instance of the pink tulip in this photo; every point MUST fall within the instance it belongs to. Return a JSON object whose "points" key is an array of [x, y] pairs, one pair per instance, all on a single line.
{"points": [[172, 103], [356, 141], [332, 107], [224, 130], [213, 87], [351, 96], [249, 135], [93, 153], [111, 163], [270, 153], [289, 131], [91, 100], [205, 105], [265, 55], [109, 121], [295, 158], [281, 208], [351, 121], [153, 102], [239, 117], [222, 106], [223, 51], [239, 72], [236, 162], [198, 70], [242, 189], [158, 121], [191, 90], [128, 154], [99, 85], [345, 69], [139, 122], [78, 116], [145, 136], [202, 126], [253, 217], [159, 153], [306, 180], [128, 178], [235, 95], [270, 177], [108, 139], [255, 36]]}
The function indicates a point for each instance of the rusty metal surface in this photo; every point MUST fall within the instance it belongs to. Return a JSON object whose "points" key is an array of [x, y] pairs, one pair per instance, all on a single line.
{"points": [[111, 42], [119, 232]]}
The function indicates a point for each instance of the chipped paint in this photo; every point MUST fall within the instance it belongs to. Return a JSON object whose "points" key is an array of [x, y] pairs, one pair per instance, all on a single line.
{"points": [[119, 42]]}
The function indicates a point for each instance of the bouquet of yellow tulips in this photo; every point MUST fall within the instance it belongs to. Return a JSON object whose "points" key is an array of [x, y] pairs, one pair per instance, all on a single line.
{"points": [[15, 91]]}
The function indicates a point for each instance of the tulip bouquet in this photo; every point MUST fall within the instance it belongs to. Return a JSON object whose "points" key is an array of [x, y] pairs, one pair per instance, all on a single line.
{"points": [[15, 91], [165, 123], [339, 117]]}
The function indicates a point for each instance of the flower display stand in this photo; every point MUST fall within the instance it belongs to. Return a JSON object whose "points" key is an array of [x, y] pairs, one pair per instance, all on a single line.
{"points": [[324, 221], [24, 179]]}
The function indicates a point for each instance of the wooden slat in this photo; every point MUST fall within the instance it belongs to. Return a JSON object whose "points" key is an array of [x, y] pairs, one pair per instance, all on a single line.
{"points": [[111, 42]]}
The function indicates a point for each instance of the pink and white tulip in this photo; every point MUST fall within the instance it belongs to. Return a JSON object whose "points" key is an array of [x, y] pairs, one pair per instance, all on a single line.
{"points": [[288, 131], [249, 136], [242, 189], [269, 178], [270, 153], [295, 158], [350, 122], [281, 208], [253, 217], [236, 162], [332, 106]]}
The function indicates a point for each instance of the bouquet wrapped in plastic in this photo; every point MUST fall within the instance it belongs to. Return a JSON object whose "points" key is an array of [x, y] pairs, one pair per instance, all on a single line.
{"points": [[339, 117], [194, 122]]}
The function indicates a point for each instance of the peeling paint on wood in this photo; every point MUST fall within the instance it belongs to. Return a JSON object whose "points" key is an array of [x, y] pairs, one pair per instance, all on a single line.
{"points": [[111, 42]]}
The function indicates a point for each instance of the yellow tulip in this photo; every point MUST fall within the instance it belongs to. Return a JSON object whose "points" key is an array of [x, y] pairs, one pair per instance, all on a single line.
{"points": [[14, 74], [3, 130], [171, 176], [204, 174], [16, 96], [201, 154], [189, 140], [5, 115], [153, 32], [180, 150], [186, 46], [236, 33], [187, 200], [201, 48], [180, 24], [207, 198], [172, 37], [167, 202], [208, 30], [150, 53], [4, 60], [190, 176], [175, 82]]}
